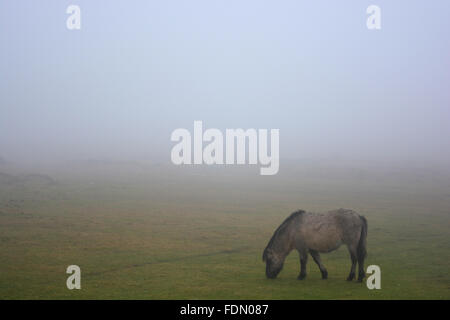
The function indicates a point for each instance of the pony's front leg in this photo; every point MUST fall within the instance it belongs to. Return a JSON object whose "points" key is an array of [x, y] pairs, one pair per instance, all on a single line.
{"points": [[316, 256], [303, 261]]}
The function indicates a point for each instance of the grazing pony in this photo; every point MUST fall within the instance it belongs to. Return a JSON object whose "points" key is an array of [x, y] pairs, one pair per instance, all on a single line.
{"points": [[314, 233]]}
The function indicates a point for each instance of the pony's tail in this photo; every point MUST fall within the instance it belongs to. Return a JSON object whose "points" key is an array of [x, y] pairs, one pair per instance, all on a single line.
{"points": [[361, 251]]}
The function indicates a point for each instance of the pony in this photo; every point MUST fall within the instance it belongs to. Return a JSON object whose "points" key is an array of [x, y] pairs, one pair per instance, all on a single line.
{"points": [[314, 234]]}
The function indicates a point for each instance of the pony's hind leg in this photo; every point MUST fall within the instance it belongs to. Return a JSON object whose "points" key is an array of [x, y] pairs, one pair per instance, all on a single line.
{"points": [[353, 257], [303, 261], [361, 271], [316, 256]]}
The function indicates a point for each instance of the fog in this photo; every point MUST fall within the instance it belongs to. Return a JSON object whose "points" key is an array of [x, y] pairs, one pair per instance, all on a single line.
{"points": [[137, 70]]}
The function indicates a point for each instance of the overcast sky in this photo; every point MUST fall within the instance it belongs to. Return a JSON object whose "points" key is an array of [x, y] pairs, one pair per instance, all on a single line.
{"points": [[137, 70]]}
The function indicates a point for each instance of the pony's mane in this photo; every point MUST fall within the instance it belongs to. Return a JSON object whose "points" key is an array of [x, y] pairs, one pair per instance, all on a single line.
{"points": [[282, 226]]}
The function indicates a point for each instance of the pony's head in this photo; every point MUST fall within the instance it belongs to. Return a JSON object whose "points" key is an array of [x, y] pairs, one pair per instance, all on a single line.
{"points": [[274, 263], [278, 247]]}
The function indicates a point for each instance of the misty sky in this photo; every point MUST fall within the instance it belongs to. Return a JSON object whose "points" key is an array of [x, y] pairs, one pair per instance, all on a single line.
{"points": [[137, 70]]}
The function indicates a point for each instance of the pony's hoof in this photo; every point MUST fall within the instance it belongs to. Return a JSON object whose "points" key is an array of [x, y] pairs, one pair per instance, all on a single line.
{"points": [[324, 275], [301, 277], [351, 276]]}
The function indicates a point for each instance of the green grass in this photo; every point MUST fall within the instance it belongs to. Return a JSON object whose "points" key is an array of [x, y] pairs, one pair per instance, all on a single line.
{"points": [[186, 234]]}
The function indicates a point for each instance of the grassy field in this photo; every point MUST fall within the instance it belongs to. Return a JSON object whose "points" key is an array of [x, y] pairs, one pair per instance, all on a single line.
{"points": [[179, 233]]}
